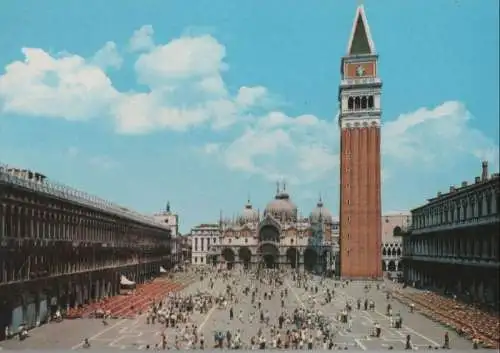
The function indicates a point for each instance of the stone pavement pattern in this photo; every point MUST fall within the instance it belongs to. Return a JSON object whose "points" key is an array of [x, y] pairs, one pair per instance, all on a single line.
{"points": [[136, 334]]}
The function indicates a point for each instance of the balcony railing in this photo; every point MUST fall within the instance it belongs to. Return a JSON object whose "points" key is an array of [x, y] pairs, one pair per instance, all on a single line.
{"points": [[476, 221], [65, 192], [360, 81]]}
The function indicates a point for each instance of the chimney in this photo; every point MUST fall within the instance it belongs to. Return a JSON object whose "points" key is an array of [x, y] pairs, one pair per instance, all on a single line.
{"points": [[464, 184], [477, 180], [484, 174], [452, 188], [439, 194]]}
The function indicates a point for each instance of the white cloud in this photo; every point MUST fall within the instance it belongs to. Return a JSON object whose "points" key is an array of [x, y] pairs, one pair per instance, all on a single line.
{"points": [[142, 39], [184, 58], [59, 87], [183, 78], [107, 57], [276, 146], [430, 137], [185, 88], [248, 96], [305, 149]]}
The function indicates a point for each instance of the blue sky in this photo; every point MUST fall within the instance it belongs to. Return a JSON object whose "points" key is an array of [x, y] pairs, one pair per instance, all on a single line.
{"points": [[206, 102]]}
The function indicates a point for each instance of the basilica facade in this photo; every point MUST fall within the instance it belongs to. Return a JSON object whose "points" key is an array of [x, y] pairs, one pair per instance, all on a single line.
{"points": [[278, 237]]}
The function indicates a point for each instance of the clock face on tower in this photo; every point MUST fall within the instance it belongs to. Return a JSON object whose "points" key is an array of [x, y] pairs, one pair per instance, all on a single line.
{"points": [[360, 71]]}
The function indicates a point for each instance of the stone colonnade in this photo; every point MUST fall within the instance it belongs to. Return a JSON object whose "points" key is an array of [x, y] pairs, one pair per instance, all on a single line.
{"points": [[473, 283]]}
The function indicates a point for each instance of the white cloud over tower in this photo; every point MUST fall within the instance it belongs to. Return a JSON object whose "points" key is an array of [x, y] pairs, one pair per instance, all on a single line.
{"points": [[184, 87]]}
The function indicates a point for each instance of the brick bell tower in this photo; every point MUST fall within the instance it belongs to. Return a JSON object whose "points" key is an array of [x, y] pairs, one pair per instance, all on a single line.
{"points": [[360, 173]]}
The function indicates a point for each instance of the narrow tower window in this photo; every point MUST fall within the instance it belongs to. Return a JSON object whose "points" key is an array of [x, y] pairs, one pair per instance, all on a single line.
{"points": [[350, 103], [370, 102], [357, 103], [364, 103]]}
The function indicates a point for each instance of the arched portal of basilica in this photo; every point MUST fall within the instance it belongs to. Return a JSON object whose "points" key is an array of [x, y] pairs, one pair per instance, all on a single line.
{"points": [[229, 257], [270, 255], [292, 255], [269, 233], [310, 259], [279, 237], [245, 256]]}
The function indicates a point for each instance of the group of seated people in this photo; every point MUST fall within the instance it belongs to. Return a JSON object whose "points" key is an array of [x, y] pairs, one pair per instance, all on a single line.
{"points": [[467, 320]]}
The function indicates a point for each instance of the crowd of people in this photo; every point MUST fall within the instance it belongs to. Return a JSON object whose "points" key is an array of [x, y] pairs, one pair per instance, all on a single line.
{"points": [[259, 303]]}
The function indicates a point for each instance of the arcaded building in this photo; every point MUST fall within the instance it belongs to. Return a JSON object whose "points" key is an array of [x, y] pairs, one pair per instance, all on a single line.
{"points": [[454, 239], [394, 225], [360, 174], [278, 237], [61, 248]]}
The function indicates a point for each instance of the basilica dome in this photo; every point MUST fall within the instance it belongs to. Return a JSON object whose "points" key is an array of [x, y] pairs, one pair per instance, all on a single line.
{"points": [[249, 214], [321, 213], [282, 206]]}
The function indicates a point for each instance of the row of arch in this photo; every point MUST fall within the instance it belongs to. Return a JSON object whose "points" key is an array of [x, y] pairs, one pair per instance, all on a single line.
{"points": [[269, 254], [391, 252], [362, 102], [392, 266]]}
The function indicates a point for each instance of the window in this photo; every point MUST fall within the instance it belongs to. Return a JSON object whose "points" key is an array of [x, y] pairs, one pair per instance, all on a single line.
{"points": [[195, 244], [370, 102], [357, 103], [350, 103], [202, 244], [195, 260], [364, 103]]}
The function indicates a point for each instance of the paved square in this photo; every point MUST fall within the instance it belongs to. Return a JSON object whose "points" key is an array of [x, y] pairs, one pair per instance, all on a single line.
{"points": [[137, 334]]}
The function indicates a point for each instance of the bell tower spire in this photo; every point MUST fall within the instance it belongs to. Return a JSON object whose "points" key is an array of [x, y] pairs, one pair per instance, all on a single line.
{"points": [[360, 40], [359, 115]]}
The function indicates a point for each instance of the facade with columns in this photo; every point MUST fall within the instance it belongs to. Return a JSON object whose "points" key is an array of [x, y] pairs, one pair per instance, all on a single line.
{"points": [[394, 224], [278, 237], [203, 238], [454, 239]]}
